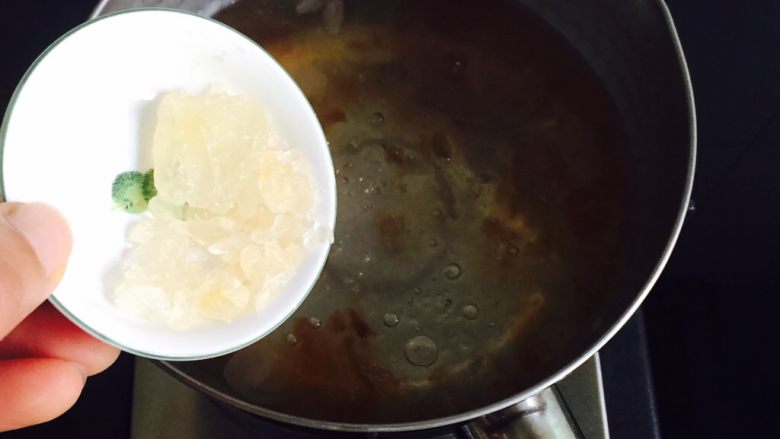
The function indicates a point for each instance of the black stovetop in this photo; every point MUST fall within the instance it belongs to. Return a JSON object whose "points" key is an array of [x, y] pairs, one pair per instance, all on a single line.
{"points": [[709, 325]]}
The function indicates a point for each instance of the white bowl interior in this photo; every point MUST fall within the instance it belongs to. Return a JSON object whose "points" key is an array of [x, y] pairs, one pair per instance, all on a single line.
{"points": [[77, 121]]}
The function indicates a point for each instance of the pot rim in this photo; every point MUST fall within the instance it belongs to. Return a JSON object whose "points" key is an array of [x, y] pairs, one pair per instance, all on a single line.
{"points": [[551, 379]]}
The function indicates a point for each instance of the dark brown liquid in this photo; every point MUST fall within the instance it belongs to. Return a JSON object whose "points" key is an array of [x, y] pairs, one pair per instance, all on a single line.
{"points": [[483, 190]]}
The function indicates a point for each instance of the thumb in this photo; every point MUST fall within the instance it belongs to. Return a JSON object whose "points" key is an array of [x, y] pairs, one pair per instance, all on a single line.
{"points": [[35, 243]]}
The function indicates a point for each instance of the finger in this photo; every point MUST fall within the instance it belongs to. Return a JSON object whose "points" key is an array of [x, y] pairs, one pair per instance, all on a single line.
{"points": [[36, 390], [35, 242], [46, 333]]}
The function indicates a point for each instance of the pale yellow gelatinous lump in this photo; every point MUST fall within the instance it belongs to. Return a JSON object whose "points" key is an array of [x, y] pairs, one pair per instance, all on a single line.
{"points": [[231, 220]]}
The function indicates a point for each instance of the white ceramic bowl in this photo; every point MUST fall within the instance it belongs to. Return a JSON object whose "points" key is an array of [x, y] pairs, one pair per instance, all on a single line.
{"points": [[75, 122]]}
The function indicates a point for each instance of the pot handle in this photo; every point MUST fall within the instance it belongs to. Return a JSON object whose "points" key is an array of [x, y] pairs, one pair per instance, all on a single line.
{"points": [[542, 416]]}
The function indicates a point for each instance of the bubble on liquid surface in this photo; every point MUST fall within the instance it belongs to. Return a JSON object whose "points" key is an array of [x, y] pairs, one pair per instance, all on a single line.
{"points": [[513, 250], [470, 312], [315, 322], [452, 271], [391, 319], [378, 118], [421, 351], [433, 242], [292, 339]]}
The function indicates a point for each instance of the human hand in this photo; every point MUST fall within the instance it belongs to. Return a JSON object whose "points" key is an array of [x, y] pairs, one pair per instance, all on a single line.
{"points": [[44, 358]]}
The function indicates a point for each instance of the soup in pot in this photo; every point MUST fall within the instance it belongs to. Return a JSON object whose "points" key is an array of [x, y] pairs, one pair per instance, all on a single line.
{"points": [[483, 182]]}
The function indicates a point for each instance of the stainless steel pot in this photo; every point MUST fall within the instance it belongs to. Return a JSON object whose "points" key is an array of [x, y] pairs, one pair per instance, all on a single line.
{"points": [[513, 180]]}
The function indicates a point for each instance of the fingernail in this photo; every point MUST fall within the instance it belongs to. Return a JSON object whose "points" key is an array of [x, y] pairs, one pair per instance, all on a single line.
{"points": [[47, 232]]}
